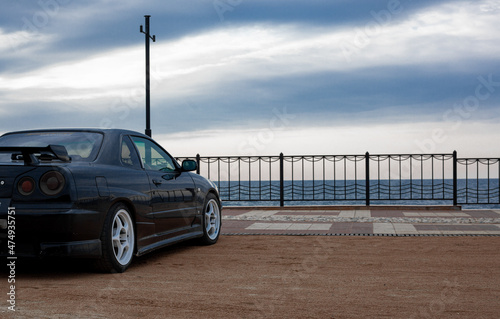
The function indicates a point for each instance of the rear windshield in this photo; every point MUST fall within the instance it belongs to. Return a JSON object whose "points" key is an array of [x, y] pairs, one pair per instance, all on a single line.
{"points": [[81, 146]]}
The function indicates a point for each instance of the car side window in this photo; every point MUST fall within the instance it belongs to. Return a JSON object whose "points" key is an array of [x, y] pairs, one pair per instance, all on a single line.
{"points": [[153, 157], [128, 154]]}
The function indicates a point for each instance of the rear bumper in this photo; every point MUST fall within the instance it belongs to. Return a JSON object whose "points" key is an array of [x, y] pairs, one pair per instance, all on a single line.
{"points": [[83, 249], [54, 233]]}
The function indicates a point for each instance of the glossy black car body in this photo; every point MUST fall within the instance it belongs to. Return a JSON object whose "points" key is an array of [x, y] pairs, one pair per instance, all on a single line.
{"points": [[102, 194]]}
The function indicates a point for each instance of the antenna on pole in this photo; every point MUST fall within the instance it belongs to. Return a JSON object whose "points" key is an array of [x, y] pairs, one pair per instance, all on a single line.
{"points": [[148, 106]]}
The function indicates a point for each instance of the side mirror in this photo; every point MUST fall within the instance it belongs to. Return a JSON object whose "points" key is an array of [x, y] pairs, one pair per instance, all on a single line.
{"points": [[189, 165]]}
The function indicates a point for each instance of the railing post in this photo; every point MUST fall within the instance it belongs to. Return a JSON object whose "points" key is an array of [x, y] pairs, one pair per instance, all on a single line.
{"points": [[455, 181], [367, 178], [282, 182], [198, 164]]}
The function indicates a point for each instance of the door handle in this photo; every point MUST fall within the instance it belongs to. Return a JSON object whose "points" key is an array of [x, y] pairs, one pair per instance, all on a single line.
{"points": [[156, 182]]}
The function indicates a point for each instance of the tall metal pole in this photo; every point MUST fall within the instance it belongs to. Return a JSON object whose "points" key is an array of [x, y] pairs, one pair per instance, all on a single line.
{"points": [[148, 106]]}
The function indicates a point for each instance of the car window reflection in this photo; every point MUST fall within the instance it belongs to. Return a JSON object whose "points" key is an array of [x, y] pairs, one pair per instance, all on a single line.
{"points": [[153, 157]]}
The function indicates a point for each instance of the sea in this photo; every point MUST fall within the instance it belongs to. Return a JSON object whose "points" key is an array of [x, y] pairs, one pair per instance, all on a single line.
{"points": [[471, 193]]}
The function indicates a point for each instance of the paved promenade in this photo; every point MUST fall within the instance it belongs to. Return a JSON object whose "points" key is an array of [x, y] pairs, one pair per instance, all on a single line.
{"points": [[361, 221]]}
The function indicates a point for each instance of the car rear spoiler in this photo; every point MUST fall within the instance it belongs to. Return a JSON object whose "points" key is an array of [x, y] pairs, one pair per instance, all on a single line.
{"points": [[28, 153]]}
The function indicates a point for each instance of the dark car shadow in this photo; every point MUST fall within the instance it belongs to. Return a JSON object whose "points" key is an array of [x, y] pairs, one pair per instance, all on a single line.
{"points": [[73, 266], [47, 266], [161, 253]]}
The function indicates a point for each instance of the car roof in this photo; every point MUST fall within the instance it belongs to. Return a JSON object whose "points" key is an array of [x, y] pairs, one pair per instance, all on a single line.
{"points": [[109, 146], [96, 130]]}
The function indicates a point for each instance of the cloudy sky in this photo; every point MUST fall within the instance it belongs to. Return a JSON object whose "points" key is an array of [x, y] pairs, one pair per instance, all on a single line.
{"points": [[260, 77]]}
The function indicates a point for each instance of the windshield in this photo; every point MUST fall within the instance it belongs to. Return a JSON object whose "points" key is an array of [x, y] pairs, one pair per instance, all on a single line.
{"points": [[81, 146]]}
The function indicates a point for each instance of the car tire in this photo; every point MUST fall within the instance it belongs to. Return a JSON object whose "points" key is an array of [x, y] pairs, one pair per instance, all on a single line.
{"points": [[117, 240], [211, 220]]}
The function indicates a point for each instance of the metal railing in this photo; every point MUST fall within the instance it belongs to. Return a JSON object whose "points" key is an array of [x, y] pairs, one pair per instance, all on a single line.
{"points": [[355, 179]]}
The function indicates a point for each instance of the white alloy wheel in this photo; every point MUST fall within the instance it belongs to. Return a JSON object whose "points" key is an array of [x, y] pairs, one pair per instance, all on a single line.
{"points": [[117, 240], [212, 222], [122, 236]]}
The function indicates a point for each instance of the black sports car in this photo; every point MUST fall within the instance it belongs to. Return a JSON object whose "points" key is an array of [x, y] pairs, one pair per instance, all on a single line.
{"points": [[101, 194]]}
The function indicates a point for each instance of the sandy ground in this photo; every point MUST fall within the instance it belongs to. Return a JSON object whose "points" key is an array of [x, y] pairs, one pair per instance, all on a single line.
{"points": [[274, 277]]}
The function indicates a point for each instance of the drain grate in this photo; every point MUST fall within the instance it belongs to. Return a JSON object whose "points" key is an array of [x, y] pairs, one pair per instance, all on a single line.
{"points": [[362, 235]]}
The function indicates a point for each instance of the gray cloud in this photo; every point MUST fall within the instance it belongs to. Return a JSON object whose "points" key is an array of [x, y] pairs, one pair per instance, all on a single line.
{"points": [[230, 64]]}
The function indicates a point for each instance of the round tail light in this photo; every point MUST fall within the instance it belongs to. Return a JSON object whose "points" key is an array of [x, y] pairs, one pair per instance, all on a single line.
{"points": [[26, 186], [52, 183]]}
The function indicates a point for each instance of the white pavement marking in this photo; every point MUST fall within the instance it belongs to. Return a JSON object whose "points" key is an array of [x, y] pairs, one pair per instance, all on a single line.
{"points": [[347, 213], [413, 214], [320, 227], [259, 213], [299, 226], [288, 226], [402, 228], [461, 215], [445, 214], [362, 213], [279, 226], [383, 228], [258, 226], [378, 228]]}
